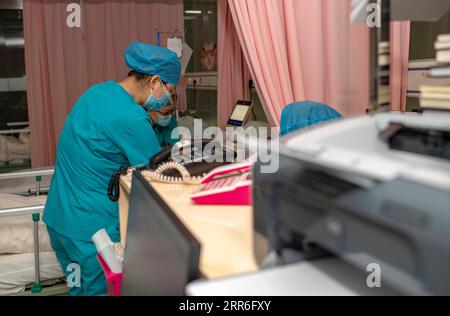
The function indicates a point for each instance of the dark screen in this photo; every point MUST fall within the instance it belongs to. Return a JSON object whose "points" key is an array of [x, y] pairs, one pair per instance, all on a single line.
{"points": [[161, 256]]}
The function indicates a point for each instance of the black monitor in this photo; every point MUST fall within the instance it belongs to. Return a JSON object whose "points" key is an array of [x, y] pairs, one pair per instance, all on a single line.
{"points": [[161, 255]]}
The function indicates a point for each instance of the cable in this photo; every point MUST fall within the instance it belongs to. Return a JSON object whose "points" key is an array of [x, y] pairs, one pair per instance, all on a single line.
{"points": [[185, 176], [153, 175], [254, 115], [156, 175], [194, 83], [250, 87], [113, 186]]}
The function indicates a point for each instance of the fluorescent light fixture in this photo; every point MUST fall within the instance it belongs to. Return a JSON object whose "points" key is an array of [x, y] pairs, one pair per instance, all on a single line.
{"points": [[193, 12]]}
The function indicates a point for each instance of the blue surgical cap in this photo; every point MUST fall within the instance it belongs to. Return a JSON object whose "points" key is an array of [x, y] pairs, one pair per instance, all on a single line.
{"points": [[155, 61], [303, 114]]}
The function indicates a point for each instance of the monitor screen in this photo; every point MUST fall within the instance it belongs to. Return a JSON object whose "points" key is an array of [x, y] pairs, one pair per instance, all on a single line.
{"points": [[240, 113], [161, 255]]}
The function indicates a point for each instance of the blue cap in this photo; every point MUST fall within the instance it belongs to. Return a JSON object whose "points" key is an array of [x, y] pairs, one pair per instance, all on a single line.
{"points": [[155, 61], [300, 115]]}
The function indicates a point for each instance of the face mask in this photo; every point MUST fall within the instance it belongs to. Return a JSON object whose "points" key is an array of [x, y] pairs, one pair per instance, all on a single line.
{"points": [[164, 121], [155, 104]]}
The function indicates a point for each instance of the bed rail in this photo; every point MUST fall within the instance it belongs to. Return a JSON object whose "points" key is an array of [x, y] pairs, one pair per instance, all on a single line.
{"points": [[15, 124], [14, 131], [19, 211], [35, 211], [37, 173], [27, 174]]}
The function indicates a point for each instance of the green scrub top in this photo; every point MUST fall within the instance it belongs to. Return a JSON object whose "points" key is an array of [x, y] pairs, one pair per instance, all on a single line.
{"points": [[164, 134], [105, 130]]}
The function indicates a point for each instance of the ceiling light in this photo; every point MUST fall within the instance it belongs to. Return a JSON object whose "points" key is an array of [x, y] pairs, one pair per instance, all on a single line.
{"points": [[193, 12]]}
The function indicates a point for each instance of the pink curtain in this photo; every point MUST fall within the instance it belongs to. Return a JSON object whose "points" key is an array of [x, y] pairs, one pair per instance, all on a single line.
{"points": [[400, 38], [234, 74], [304, 50], [62, 62]]}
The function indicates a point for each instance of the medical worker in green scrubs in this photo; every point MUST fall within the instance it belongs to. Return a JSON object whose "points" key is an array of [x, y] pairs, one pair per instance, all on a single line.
{"points": [[111, 126]]}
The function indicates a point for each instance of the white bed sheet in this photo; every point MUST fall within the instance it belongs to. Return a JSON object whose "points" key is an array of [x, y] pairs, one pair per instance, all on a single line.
{"points": [[17, 271], [12, 148], [17, 241], [16, 232]]}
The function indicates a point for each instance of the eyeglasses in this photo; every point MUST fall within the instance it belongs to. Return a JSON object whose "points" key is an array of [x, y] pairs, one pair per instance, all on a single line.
{"points": [[172, 101], [173, 98], [169, 111]]}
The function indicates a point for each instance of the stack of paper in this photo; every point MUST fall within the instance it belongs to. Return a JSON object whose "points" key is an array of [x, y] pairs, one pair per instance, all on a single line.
{"points": [[442, 47], [438, 97], [435, 97]]}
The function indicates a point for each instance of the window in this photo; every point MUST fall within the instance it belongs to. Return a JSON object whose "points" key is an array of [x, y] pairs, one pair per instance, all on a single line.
{"points": [[422, 54], [200, 23], [201, 34], [423, 36], [14, 150]]}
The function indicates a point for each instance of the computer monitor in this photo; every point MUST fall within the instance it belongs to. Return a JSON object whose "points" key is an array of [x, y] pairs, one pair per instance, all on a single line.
{"points": [[240, 113], [161, 255]]}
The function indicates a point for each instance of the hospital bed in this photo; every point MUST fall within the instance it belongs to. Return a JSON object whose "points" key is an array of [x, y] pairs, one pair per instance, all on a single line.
{"points": [[14, 151], [28, 264]]}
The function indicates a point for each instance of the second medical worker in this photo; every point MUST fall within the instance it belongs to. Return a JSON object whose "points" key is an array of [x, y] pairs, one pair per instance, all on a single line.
{"points": [[112, 125]]}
